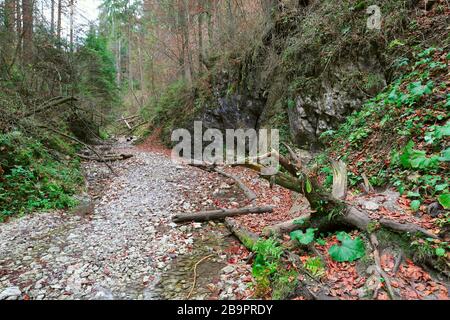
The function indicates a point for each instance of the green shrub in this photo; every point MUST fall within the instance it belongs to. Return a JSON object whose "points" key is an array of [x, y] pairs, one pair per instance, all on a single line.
{"points": [[32, 179]]}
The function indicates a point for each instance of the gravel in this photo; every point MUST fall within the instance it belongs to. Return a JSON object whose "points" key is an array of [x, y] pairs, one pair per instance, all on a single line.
{"points": [[118, 252]]}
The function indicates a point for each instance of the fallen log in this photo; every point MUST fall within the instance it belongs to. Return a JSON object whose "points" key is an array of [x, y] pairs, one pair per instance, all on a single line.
{"points": [[310, 287], [247, 238], [212, 168], [128, 118], [219, 214], [50, 104], [406, 228], [132, 129], [107, 158], [286, 227], [248, 193], [345, 213], [80, 142]]}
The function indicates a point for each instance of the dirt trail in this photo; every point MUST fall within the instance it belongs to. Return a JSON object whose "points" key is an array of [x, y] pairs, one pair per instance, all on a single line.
{"points": [[127, 248]]}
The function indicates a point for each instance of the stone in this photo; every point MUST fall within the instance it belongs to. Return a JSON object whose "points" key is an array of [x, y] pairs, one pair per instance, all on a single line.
{"points": [[11, 293], [371, 206], [103, 294], [228, 269]]}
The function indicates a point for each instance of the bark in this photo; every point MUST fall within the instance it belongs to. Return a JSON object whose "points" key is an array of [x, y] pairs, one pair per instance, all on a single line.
{"points": [[59, 23], [71, 25], [52, 17], [82, 143], [50, 104], [231, 19], [286, 227], [27, 12], [201, 52], [107, 158], [19, 19], [210, 24], [219, 214], [7, 50], [247, 238]]}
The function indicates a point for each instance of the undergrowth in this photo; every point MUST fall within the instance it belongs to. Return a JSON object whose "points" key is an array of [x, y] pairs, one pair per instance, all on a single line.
{"points": [[33, 179], [400, 138]]}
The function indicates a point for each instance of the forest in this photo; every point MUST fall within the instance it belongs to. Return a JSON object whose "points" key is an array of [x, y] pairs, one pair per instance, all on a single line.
{"points": [[349, 200]]}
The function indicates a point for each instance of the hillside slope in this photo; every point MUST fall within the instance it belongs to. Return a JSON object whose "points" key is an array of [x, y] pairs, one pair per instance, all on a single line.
{"points": [[310, 69]]}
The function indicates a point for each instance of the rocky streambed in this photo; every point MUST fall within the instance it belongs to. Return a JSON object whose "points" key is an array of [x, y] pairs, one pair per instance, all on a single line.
{"points": [[121, 244]]}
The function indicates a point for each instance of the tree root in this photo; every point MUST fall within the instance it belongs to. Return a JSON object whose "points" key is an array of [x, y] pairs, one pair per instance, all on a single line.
{"points": [[306, 289], [195, 275], [247, 191], [379, 269]]}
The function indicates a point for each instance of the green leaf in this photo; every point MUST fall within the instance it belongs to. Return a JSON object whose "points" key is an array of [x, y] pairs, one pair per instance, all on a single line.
{"points": [[413, 194], [419, 90], [321, 242], [349, 251], [440, 252], [299, 222], [417, 159], [445, 155], [441, 187], [444, 200], [415, 205], [309, 187], [304, 238]]}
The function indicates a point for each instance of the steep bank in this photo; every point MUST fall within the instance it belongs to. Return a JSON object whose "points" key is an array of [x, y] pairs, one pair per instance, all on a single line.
{"points": [[312, 67]]}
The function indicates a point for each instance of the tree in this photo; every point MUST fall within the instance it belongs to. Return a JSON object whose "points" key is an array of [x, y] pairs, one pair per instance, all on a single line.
{"points": [[59, 23], [27, 14]]}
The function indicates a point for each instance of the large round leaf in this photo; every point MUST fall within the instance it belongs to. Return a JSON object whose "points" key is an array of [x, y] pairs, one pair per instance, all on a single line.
{"points": [[350, 250]]}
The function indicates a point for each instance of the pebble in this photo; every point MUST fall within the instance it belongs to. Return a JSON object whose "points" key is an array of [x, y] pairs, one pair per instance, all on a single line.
{"points": [[228, 269], [121, 251], [11, 293]]}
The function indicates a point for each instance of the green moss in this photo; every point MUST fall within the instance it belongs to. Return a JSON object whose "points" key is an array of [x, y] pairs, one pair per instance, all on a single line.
{"points": [[285, 282]]}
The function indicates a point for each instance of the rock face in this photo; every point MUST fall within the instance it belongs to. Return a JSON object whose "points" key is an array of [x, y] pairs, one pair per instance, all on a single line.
{"points": [[247, 97], [232, 107], [234, 111], [316, 113], [285, 82]]}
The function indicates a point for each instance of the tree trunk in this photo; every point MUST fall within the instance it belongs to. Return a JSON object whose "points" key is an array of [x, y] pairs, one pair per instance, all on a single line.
{"points": [[8, 50], [231, 19], [187, 56], [141, 71], [130, 58], [52, 18], [201, 52], [219, 214], [71, 25], [27, 9], [59, 23], [210, 9]]}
